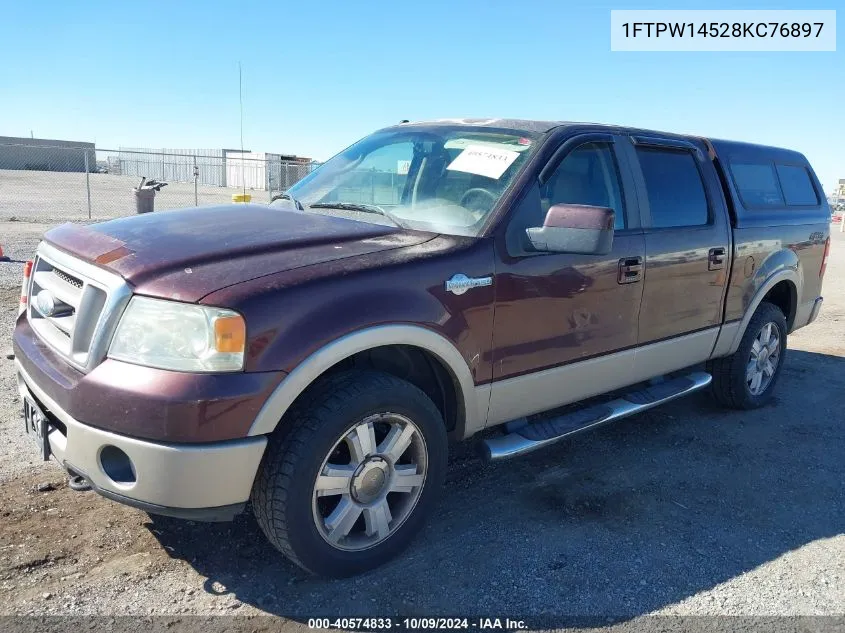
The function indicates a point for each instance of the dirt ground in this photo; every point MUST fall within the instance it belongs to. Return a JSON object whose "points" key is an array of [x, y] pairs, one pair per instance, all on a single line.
{"points": [[45, 196], [685, 510]]}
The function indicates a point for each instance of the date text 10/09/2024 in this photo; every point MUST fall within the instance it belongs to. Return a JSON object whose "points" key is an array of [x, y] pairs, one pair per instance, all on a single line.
{"points": [[423, 623]]}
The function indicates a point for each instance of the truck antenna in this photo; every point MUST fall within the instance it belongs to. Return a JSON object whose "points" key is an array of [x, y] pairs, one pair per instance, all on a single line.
{"points": [[241, 100]]}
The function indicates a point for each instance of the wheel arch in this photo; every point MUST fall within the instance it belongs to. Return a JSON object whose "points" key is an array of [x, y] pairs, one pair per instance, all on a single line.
{"points": [[782, 289], [470, 401], [784, 294]]}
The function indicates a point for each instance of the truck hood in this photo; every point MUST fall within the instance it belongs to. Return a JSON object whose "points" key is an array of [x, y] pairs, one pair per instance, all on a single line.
{"points": [[188, 253]]}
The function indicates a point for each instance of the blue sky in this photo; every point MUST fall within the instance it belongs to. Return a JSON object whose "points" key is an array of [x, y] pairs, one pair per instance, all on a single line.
{"points": [[320, 74]]}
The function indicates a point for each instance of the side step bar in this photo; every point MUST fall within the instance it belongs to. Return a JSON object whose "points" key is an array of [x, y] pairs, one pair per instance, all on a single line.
{"points": [[529, 437]]}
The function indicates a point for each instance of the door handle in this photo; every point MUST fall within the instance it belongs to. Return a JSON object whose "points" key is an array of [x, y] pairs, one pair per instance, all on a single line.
{"points": [[630, 270], [716, 258]]}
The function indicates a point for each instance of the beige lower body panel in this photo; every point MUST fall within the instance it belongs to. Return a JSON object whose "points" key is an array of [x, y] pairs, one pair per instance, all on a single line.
{"points": [[481, 401], [806, 313], [656, 359], [544, 390], [170, 475], [726, 341]]}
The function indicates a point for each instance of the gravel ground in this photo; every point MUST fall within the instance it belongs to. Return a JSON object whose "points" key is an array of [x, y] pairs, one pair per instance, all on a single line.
{"points": [[685, 510], [53, 196]]}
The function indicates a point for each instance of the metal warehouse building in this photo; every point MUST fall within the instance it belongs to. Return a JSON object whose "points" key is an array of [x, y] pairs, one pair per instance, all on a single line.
{"points": [[218, 167], [43, 154]]}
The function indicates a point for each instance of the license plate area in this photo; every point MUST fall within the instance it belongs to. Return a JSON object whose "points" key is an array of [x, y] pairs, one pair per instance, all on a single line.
{"points": [[37, 426]]}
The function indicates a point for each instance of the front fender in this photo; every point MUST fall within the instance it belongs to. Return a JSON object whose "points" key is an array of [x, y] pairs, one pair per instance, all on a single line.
{"points": [[473, 400], [306, 320]]}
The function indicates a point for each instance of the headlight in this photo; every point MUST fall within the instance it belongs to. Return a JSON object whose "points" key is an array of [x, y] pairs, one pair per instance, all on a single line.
{"points": [[179, 336]]}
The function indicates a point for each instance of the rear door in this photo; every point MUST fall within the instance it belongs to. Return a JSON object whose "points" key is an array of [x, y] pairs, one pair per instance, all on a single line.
{"points": [[688, 250]]}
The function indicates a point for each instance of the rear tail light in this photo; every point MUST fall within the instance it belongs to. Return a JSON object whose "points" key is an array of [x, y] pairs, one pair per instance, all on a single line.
{"points": [[824, 257], [27, 273]]}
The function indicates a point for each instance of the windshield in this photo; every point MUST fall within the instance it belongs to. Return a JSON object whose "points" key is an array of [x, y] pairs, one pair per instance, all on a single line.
{"points": [[440, 178]]}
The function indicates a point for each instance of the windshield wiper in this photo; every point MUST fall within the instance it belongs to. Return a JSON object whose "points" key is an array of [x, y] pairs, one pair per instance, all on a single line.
{"points": [[287, 196], [358, 206]]}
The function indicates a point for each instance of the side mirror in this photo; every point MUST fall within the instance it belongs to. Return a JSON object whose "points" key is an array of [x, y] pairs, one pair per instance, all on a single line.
{"points": [[574, 228]]}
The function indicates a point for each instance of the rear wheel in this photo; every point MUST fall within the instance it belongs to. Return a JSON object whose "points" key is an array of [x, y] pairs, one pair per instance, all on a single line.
{"points": [[746, 379], [348, 480]]}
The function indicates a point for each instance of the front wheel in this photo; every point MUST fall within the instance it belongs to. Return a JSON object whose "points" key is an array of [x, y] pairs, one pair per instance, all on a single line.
{"points": [[746, 379], [351, 473]]}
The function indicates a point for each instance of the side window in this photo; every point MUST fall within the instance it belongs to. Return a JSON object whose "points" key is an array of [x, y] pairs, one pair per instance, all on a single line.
{"points": [[796, 184], [674, 187], [757, 184], [587, 175]]}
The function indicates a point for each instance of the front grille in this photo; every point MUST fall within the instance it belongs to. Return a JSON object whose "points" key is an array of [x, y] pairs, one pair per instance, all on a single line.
{"points": [[73, 281], [74, 306]]}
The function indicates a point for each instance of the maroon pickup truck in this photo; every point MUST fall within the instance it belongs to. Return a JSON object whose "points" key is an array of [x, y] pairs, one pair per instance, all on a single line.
{"points": [[313, 356]]}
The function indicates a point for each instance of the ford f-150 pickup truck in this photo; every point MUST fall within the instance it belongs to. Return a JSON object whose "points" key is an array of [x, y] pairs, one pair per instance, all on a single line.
{"points": [[313, 356]]}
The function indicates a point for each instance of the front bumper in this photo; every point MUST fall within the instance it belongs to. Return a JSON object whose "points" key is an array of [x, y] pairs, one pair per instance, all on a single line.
{"points": [[208, 481]]}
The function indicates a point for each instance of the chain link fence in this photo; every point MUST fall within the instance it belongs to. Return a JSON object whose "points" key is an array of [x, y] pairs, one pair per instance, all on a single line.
{"points": [[51, 184]]}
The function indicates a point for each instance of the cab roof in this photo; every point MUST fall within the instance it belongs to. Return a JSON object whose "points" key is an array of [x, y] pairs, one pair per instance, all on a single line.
{"points": [[722, 147]]}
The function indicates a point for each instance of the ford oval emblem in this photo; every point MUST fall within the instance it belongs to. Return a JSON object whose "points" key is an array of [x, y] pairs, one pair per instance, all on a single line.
{"points": [[46, 303], [460, 283]]}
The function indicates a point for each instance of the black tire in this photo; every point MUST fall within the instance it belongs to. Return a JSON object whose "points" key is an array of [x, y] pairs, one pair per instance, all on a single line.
{"points": [[729, 385], [282, 494]]}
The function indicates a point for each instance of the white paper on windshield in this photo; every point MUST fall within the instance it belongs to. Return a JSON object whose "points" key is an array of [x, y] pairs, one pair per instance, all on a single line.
{"points": [[484, 161], [463, 143]]}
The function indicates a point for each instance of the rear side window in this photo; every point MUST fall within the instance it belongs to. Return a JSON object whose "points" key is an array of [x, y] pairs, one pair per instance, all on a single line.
{"points": [[757, 184], [796, 184], [675, 191]]}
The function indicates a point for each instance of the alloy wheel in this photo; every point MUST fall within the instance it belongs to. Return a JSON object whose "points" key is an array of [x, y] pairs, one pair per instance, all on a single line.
{"points": [[370, 482], [764, 359]]}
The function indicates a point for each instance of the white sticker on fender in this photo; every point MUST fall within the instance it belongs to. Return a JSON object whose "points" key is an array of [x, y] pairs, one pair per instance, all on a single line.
{"points": [[484, 161]]}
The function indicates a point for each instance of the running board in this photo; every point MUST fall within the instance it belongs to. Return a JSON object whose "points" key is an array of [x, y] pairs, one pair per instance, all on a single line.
{"points": [[529, 437]]}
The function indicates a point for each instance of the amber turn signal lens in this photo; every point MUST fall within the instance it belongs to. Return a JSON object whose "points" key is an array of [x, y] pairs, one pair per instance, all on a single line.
{"points": [[229, 334], [27, 273]]}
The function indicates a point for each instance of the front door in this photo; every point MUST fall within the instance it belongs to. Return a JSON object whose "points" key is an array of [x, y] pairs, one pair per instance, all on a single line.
{"points": [[560, 317]]}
